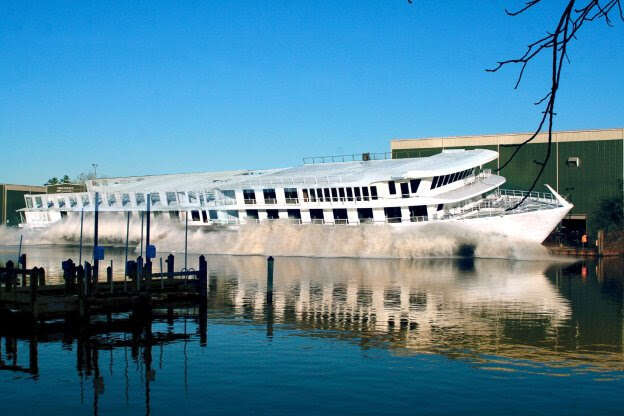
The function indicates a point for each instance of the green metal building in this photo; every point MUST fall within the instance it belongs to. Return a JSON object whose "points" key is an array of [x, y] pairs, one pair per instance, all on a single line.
{"points": [[585, 166], [12, 199]]}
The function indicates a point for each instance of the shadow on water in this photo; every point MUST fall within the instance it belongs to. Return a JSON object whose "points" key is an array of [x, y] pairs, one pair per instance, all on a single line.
{"points": [[500, 316]]}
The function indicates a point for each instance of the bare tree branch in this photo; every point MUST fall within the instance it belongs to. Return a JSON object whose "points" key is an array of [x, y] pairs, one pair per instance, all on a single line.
{"points": [[570, 22]]}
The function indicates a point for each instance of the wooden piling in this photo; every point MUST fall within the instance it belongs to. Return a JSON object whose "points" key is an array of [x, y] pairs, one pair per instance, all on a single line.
{"points": [[203, 278], [270, 261], [170, 266], [109, 278]]}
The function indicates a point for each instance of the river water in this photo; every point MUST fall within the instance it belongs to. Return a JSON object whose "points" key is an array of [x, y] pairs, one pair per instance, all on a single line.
{"points": [[344, 336]]}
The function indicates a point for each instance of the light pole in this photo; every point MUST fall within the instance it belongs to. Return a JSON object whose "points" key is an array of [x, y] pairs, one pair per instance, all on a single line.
{"points": [[94, 169]]}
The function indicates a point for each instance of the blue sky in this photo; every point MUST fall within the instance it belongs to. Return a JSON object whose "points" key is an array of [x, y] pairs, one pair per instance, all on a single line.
{"points": [[148, 87]]}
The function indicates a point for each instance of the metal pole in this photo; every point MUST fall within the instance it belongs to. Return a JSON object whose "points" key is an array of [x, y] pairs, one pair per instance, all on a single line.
{"points": [[185, 241], [148, 262], [19, 252], [127, 235], [81, 221], [95, 236], [142, 217]]}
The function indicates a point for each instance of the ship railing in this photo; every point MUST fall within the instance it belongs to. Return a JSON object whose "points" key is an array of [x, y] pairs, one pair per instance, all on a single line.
{"points": [[355, 157], [250, 201], [270, 201], [292, 200]]}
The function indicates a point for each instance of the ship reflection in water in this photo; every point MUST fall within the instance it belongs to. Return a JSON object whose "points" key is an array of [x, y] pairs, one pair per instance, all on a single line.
{"points": [[339, 329]]}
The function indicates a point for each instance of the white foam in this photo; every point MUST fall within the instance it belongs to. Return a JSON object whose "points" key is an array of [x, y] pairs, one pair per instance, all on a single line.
{"points": [[281, 239]]}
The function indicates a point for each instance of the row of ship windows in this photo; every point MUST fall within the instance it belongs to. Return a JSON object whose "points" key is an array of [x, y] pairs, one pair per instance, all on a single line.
{"points": [[450, 178], [291, 195], [392, 214]]}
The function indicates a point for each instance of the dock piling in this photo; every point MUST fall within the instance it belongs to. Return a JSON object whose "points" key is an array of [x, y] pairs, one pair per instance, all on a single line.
{"points": [[269, 295], [203, 278]]}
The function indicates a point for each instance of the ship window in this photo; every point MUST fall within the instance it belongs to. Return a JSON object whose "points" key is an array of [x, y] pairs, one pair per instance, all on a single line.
{"points": [[418, 213], [50, 203], [294, 214], [252, 214], [391, 188], [316, 216], [269, 196], [306, 196], [140, 199], [349, 194], [201, 198], [373, 190], [195, 215], [210, 196], [365, 215], [446, 179], [414, 183], [174, 215], [213, 214], [434, 182], [249, 195], [29, 203], [404, 190], [334, 194], [232, 213], [61, 202], [125, 199], [312, 195], [72, 201], [357, 194], [181, 197], [291, 195], [85, 200], [319, 194], [171, 198], [327, 196], [204, 216], [155, 198], [272, 214], [192, 197], [365, 193], [340, 216], [393, 214], [341, 193], [440, 207]]}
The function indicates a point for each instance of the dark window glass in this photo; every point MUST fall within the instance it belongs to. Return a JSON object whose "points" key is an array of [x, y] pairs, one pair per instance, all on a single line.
{"points": [[440, 207], [306, 198], [414, 185], [213, 214], [391, 188], [319, 194], [316, 215], [446, 179], [341, 193], [204, 216], [350, 194], [327, 196], [434, 183], [312, 195], [195, 215], [373, 190], [272, 214], [404, 190], [334, 193], [357, 194], [365, 193], [393, 214]]}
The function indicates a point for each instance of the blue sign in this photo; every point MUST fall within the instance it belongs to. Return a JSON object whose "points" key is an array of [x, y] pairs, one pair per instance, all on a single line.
{"points": [[150, 252], [98, 253]]}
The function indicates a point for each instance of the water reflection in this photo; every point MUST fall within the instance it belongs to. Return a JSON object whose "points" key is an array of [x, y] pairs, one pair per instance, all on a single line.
{"points": [[528, 317]]}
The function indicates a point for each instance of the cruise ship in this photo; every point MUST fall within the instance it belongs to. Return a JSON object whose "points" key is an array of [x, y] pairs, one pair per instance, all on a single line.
{"points": [[451, 187]]}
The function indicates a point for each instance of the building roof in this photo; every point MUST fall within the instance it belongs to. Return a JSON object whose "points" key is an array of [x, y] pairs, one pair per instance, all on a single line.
{"points": [[359, 172], [506, 139]]}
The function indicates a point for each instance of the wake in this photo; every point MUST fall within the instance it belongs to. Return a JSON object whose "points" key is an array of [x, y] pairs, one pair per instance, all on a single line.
{"points": [[282, 239]]}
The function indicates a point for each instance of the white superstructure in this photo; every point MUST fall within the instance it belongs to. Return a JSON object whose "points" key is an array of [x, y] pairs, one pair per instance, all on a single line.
{"points": [[450, 186]]}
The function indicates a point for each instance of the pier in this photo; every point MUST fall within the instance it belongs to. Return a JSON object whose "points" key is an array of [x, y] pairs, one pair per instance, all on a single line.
{"points": [[25, 295]]}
